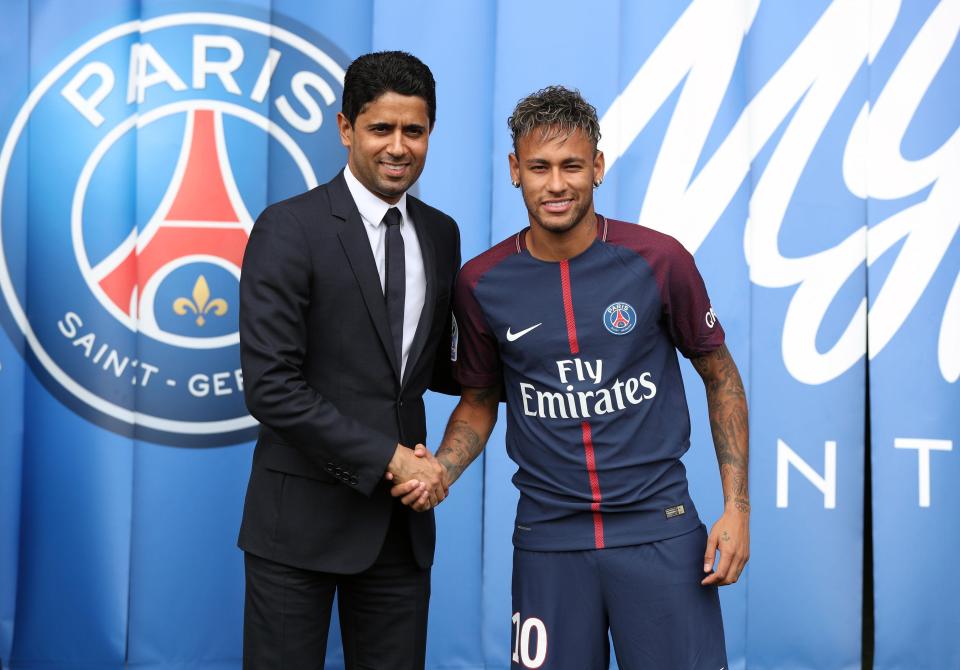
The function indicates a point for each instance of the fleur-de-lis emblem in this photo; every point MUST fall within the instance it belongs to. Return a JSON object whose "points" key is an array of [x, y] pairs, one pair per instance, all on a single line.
{"points": [[201, 303]]}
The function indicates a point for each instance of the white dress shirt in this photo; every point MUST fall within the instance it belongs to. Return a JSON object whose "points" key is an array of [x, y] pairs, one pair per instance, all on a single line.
{"points": [[372, 210]]}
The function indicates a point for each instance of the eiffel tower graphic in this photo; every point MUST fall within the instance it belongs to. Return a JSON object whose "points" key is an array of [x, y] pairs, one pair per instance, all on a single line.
{"points": [[620, 321], [200, 215]]}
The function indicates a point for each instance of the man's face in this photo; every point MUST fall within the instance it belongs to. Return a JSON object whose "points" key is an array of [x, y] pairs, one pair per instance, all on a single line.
{"points": [[387, 144], [556, 174]]}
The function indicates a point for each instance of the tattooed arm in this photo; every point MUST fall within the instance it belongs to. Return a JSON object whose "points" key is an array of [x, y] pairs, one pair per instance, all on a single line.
{"points": [[727, 406], [467, 432]]}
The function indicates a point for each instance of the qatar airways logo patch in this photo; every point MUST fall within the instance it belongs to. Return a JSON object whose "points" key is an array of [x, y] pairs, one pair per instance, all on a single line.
{"points": [[149, 148], [572, 403], [711, 318]]}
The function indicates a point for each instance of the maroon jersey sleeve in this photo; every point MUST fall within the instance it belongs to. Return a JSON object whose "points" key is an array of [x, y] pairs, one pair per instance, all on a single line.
{"points": [[475, 353], [688, 314]]}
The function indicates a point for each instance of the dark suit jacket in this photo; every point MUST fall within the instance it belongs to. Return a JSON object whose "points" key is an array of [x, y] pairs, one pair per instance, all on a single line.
{"points": [[320, 376]]}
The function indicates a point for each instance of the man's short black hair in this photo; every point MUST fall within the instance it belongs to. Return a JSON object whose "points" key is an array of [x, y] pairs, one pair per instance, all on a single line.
{"points": [[372, 75]]}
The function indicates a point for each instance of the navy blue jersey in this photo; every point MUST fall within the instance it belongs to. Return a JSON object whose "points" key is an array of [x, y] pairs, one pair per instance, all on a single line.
{"points": [[597, 418]]}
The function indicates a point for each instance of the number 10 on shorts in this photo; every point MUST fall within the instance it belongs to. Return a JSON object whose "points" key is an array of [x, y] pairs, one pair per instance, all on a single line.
{"points": [[522, 642]]}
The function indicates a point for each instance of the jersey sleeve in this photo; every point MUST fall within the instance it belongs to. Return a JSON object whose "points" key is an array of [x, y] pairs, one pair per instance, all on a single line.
{"points": [[687, 312], [475, 353]]}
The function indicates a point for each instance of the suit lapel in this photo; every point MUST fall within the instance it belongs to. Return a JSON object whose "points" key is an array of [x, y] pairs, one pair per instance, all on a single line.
{"points": [[419, 216], [356, 246]]}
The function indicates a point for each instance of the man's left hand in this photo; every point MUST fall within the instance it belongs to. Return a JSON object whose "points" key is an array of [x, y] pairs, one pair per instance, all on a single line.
{"points": [[731, 537]]}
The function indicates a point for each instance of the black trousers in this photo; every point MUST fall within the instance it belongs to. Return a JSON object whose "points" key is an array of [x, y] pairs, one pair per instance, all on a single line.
{"points": [[383, 611]]}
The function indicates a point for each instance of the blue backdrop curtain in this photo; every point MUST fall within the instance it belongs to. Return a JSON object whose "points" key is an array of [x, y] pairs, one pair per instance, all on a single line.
{"points": [[807, 152]]}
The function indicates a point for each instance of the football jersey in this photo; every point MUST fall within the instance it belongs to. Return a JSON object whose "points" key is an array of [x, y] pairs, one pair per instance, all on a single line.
{"points": [[585, 349]]}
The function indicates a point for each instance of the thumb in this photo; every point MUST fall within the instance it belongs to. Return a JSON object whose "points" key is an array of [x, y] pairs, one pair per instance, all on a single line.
{"points": [[420, 451], [710, 553]]}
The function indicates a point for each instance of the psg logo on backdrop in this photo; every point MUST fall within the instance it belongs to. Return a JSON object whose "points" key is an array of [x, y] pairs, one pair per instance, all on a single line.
{"points": [[619, 318], [123, 225]]}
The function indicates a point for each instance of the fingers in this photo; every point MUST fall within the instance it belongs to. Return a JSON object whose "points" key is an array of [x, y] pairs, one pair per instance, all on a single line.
{"points": [[406, 488], [729, 566], [423, 504], [721, 571], [709, 555], [415, 496]]}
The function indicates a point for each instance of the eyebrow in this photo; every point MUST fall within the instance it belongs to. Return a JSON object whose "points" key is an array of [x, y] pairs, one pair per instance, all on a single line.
{"points": [[387, 124], [570, 160]]}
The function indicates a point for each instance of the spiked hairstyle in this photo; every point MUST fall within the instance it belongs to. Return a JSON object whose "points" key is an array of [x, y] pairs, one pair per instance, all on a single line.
{"points": [[554, 110]]}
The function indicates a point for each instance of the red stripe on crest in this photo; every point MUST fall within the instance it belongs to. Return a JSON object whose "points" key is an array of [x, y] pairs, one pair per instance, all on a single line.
{"points": [[203, 191]]}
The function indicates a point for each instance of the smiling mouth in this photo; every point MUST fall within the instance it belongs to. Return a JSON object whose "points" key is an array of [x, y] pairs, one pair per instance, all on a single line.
{"points": [[395, 169], [557, 206]]}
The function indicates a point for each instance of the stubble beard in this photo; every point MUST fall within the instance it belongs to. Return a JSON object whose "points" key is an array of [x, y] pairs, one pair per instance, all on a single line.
{"points": [[561, 227]]}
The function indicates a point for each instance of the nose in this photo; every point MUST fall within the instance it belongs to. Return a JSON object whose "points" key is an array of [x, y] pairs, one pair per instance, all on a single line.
{"points": [[396, 146], [555, 183]]}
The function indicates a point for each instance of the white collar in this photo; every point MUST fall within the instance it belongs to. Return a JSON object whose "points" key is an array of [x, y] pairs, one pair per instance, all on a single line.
{"points": [[372, 208]]}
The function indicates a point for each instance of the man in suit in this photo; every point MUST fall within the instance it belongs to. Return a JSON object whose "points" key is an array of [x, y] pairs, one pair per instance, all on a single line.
{"points": [[344, 317]]}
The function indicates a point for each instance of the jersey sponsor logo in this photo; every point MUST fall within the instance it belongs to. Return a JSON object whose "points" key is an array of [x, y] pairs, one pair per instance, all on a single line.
{"points": [[619, 318], [513, 337], [711, 318], [571, 403], [148, 146]]}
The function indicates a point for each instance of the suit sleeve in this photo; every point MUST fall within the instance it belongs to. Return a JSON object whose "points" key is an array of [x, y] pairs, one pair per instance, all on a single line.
{"points": [[274, 300], [442, 380]]}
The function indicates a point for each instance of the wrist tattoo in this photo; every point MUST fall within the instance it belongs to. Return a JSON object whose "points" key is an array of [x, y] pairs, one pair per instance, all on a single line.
{"points": [[741, 503], [461, 444]]}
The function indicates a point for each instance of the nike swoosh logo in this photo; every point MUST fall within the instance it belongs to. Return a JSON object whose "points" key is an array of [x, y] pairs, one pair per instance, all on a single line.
{"points": [[516, 336]]}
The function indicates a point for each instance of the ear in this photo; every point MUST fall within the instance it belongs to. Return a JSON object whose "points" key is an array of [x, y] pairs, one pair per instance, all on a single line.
{"points": [[514, 168], [599, 166], [346, 130]]}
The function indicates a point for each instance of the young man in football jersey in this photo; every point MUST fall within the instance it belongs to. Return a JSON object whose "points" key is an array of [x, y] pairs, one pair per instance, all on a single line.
{"points": [[578, 318]]}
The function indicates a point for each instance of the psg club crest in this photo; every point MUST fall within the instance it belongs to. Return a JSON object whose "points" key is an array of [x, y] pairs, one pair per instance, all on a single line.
{"points": [[122, 226], [619, 318]]}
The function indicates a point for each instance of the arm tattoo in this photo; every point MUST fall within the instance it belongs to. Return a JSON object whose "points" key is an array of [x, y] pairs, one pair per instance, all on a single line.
{"points": [[461, 445], [468, 430], [727, 406]]}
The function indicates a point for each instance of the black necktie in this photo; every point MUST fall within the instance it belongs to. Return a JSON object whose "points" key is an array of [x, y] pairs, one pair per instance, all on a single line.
{"points": [[396, 280]]}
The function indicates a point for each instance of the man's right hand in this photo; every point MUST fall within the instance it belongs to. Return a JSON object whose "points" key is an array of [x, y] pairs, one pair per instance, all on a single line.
{"points": [[418, 477]]}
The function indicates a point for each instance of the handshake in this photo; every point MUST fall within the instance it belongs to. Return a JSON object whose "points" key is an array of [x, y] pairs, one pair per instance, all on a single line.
{"points": [[419, 479]]}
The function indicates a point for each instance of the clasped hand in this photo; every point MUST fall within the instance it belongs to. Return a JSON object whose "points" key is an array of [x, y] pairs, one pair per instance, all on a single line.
{"points": [[419, 479]]}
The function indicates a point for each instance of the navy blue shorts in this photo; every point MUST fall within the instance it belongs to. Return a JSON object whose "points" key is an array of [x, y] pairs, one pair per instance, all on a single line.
{"points": [[647, 596]]}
